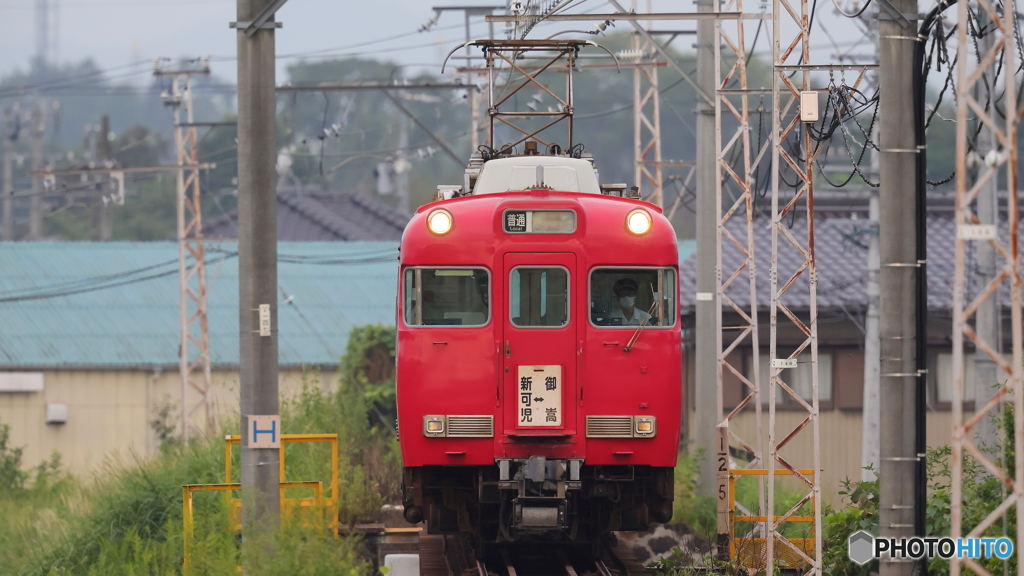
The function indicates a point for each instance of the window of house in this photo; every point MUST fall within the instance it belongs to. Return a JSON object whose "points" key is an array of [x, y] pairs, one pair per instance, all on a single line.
{"points": [[446, 296], [799, 378], [943, 379]]}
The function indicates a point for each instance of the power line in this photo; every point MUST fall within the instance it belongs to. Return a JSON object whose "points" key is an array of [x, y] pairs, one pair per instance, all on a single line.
{"points": [[137, 275]]}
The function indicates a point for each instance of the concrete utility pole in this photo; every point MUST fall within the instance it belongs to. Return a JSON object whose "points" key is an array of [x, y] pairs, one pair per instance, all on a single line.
{"points": [[476, 118], [105, 216], [43, 31], [870, 433], [706, 357], [897, 276], [100, 155], [8, 190], [402, 166], [257, 258], [35, 211], [986, 371]]}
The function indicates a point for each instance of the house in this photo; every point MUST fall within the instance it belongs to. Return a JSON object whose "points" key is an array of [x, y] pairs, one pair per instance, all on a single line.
{"points": [[322, 216], [842, 230], [91, 330]]}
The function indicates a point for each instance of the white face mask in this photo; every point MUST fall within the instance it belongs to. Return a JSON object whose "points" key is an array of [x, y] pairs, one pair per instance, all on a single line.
{"points": [[627, 301]]}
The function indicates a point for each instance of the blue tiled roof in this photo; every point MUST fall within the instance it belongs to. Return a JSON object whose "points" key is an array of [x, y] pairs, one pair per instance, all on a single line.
{"points": [[132, 321]]}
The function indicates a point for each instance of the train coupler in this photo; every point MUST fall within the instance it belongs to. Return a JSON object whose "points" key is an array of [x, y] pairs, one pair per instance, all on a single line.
{"points": [[541, 486]]}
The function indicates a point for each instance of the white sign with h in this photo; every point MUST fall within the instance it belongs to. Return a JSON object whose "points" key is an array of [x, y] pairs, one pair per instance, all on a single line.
{"points": [[264, 431]]}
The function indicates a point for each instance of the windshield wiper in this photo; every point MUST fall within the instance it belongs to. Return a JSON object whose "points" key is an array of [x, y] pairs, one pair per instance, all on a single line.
{"points": [[643, 323]]}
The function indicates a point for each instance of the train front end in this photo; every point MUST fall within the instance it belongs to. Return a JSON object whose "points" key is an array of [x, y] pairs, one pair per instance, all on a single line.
{"points": [[539, 357]]}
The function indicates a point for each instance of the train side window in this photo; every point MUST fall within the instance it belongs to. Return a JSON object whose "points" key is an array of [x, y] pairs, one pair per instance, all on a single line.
{"points": [[446, 296], [625, 297], [539, 297]]}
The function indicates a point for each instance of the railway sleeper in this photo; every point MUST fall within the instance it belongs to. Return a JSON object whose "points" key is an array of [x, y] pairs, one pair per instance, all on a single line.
{"points": [[447, 555]]}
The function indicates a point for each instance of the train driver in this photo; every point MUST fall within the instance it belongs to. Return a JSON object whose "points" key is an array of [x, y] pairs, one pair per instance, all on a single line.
{"points": [[625, 290]]}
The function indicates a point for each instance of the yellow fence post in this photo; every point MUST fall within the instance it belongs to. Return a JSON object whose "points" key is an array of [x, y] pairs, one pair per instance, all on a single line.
{"points": [[323, 504], [187, 525]]}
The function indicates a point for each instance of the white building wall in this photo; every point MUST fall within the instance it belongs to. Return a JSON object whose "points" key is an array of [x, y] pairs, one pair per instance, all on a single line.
{"points": [[109, 412]]}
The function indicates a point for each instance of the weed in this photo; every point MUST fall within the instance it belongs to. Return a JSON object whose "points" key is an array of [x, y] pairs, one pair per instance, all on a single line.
{"points": [[127, 519]]}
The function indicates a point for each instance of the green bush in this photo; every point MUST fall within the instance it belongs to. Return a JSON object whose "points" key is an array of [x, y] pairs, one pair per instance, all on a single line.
{"points": [[689, 507], [12, 477], [128, 519], [982, 493]]}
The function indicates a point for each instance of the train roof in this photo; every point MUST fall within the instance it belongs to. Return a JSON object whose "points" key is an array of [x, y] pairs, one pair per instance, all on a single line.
{"points": [[520, 173]]}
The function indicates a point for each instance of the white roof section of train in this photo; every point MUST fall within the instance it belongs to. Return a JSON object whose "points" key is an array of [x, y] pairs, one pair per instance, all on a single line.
{"points": [[520, 173]]}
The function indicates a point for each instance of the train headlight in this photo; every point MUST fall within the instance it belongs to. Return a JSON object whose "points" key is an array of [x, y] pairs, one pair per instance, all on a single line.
{"points": [[644, 426], [440, 222], [433, 425], [639, 222]]}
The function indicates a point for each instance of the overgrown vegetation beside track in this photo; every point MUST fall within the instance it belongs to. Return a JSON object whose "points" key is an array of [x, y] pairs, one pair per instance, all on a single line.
{"points": [[982, 494], [126, 518]]}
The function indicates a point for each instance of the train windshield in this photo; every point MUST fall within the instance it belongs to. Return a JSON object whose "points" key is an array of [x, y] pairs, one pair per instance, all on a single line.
{"points": [[446, 296], [539, 297], [626, 297]]}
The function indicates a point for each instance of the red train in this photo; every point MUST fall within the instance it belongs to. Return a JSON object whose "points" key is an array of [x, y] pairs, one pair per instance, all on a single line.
{"points": [[539, 355]]}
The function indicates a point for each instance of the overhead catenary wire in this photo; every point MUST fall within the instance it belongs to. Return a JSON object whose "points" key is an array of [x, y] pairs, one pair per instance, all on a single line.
{"points": [[855, 14]]}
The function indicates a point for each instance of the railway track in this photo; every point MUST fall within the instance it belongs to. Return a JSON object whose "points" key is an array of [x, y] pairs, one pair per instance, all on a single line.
{"points": [[447, 556]]}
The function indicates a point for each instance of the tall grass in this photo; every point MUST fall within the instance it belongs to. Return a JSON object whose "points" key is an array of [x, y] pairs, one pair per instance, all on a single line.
{"points": [[127, 518]]}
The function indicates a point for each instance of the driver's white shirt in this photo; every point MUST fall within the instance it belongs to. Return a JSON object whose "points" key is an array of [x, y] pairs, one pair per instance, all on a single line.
{"points": [[638, 316]]}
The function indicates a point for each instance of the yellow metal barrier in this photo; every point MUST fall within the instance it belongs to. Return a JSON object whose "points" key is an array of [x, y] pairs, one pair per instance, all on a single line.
{"points": [[753, 552], [319, 504], [316, 503], [229, 441], [235, 505]]}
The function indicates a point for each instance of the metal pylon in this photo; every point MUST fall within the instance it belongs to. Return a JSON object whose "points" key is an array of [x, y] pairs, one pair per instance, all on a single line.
{"points": [[194, 347], [735, 165], [502, 55], [647, 121], [791, 55], [1006, 245]]}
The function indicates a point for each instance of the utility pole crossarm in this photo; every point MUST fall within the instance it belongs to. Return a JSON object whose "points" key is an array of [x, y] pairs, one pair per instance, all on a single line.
{"points": [[633, 16], [262, 18], [347, 86], [113, 170]]}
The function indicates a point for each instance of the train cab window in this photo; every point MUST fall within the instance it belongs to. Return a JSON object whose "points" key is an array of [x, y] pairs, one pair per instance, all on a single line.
{"points": [[626, 297], [446, 296], [539, 297]]}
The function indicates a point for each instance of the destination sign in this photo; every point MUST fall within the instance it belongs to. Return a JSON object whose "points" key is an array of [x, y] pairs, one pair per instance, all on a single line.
{"points": [[539, 221]]}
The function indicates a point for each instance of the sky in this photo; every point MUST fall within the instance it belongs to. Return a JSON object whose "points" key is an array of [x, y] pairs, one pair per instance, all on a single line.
{"points": [[116, 33]]}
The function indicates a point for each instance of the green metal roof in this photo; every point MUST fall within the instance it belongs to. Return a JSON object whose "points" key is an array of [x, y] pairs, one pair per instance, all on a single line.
{"points": [[107, 304], [116, 303]]}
